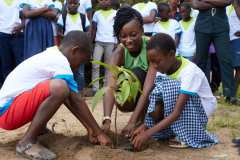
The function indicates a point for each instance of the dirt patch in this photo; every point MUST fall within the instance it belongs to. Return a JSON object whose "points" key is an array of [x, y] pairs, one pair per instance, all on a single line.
{"points": [[69, 142]]}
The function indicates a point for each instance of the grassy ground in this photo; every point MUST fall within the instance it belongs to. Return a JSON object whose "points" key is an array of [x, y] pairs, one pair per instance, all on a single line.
{"points": [[227, 116]]}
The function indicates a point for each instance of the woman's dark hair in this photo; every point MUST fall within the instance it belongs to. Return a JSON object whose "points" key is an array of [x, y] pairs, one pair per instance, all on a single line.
{"points": [[162, 42], [124, 16]]}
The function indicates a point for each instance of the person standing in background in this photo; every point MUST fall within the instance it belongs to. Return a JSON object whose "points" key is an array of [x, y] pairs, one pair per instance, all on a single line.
{"points": [[39, 30], [187, 44], [148, 11], [212, 26], [233, 12], [102, 33], [11, 37]]}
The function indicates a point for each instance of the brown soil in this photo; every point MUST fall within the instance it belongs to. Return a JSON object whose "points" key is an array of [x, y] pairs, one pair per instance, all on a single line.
{"points": [[69, 142]]}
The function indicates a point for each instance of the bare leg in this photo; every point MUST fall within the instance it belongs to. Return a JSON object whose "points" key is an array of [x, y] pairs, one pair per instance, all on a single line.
{"points": [[58, 93], [158, 114]]}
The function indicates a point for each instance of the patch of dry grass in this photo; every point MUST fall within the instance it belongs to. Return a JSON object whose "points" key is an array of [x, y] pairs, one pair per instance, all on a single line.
{"points": [[226, 116]]}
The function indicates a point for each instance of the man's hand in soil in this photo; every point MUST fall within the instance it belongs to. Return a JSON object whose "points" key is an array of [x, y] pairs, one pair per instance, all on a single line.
{"points": [[92, 137], [103, 139]]}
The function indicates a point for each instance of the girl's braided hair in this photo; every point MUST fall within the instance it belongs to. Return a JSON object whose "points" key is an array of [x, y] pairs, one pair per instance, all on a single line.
{"points": [[124, 16]]}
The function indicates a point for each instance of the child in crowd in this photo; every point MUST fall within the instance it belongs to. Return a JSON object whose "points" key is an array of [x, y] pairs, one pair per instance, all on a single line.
{"points": [[85, 8], [167, 25], [233, 12], [187, 44], [35, 90], [148, 11], [57, 37], [180, 102], [71, 20], [39, 31], [174, 9], [102, 32]]}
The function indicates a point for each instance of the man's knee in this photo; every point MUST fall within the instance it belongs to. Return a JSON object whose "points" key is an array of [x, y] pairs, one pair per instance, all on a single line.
{"points": [[59, 89]]}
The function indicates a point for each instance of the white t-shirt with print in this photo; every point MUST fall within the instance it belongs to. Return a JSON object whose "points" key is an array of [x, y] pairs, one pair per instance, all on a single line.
{"points": [[187, 45], [43, 66], [145, 9], [105, 21], [73, 23], [234, 22], [194, 82], [170, 27], [9, 16]]}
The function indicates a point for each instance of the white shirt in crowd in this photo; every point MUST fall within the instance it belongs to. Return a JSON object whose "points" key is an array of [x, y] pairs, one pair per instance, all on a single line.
{"points": [[194, 13], [34, 4], [105, 20], [58, 6], [187, 45], [233, 21], [170, 27], [145, 9], [73, 22], [9, 16], [194, 82], [43, 66]]}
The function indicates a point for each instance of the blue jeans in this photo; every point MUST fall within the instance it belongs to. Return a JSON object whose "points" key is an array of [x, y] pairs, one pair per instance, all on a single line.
{"points": [[11, 53], [80, 77]]}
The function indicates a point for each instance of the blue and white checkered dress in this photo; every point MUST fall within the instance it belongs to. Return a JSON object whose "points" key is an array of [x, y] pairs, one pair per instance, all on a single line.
{"points": [[190, 128]]}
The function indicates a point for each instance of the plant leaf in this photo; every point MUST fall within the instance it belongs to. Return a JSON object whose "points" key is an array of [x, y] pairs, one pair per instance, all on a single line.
{"points": [[97, 97], [95, 80], [121, 78], [123, 93], [134, 90]]}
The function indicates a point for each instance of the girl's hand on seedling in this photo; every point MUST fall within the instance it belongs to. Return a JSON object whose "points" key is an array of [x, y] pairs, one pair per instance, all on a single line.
{"points": [[104, 140], [138, 131], [139, 140], [128, 129]]}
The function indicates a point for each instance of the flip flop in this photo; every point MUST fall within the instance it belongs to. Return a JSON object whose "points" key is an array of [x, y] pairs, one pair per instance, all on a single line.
{"points": [[35, 152], [175, 143]]}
